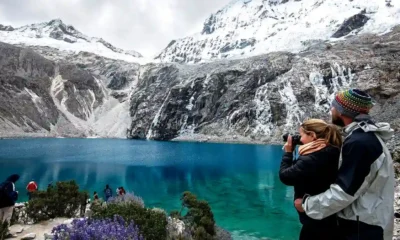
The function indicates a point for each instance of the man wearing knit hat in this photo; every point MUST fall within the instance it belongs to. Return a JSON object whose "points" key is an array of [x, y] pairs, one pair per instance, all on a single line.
{"points": [[363, 195]]}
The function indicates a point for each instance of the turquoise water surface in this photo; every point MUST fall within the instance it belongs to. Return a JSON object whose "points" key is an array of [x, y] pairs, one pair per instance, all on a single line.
{"points": [[240, 181]]}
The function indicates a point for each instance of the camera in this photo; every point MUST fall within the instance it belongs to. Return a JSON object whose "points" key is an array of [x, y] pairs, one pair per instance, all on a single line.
{"points": [[295, 139]]}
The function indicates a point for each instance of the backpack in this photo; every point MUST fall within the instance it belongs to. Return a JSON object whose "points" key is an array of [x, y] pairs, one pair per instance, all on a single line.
{"points": [[5, 199]]}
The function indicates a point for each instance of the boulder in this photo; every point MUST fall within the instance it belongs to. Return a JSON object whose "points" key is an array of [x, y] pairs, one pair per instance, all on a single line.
{"points": [[29, 236], [48, 236]]}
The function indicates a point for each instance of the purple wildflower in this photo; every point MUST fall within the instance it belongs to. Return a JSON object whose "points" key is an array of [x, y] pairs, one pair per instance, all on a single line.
{"points": [[105, 229]]}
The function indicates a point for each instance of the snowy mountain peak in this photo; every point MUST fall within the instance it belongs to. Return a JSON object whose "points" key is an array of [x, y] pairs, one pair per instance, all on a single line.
{"points": [[246, 28], [57, 34], [55, 29], [211, 24], [6, 28]]}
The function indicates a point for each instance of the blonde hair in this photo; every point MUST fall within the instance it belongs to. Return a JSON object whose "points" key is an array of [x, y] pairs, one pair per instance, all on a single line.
{"points": [[323, 130]]}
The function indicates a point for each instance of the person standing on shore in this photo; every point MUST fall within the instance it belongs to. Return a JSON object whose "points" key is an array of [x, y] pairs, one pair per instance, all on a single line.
{"points": [[95, 197], [31, 187], [8, 197], [107, 192]]}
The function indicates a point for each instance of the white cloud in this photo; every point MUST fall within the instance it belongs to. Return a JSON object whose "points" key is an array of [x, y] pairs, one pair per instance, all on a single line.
{"points": [[146, 26]]}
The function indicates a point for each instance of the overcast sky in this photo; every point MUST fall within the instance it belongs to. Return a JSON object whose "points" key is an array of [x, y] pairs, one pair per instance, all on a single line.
{"points": [[146, 26]]}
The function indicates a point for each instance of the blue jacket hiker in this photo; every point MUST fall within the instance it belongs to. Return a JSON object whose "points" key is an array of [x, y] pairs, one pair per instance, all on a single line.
{"points": [[107, 192], [8, 197]]}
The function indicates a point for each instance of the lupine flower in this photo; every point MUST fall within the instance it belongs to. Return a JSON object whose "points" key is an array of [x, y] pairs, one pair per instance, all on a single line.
{"points": [[105, 229]]}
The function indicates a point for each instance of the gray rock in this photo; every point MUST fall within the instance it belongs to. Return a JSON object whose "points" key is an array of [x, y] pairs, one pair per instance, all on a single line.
{"points": [[24, 76], [262, 97], [27, 106], [48, 236], [29, 236], [16, 228], [222, 234]]}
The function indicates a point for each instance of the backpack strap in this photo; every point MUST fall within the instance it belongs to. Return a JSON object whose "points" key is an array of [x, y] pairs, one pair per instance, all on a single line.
{"points": [[355, 126]]}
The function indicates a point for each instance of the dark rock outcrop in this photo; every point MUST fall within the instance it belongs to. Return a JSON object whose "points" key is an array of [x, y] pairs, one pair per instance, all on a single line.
{"points": [[6, 28], [208, 27], [355, 22]]}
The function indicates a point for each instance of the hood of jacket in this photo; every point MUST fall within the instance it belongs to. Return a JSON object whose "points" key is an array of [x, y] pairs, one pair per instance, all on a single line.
{"points": [[365, 122], [13, 178]]}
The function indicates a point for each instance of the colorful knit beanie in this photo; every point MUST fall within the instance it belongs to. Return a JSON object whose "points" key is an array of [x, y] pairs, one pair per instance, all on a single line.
{"points": [[352, 102]]}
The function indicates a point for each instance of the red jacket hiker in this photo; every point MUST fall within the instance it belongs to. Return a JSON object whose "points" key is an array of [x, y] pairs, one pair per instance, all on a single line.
{"points": [[32, 186]]}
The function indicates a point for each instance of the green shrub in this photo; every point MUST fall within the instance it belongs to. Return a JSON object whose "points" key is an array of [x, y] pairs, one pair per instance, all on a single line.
{"points": [[62, 200], [152, 224], [199, 216], [175, 214], [201, 234]]}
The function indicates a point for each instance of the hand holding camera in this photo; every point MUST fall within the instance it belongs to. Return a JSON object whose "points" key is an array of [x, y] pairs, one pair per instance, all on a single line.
{"points": [[291, 141], [288, 145]]}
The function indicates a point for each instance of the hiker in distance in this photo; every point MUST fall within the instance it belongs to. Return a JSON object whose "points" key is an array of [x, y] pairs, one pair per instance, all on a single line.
{"points": [[313, 172], [363, 193], [31, 188], [8, 197], [107, 192]]}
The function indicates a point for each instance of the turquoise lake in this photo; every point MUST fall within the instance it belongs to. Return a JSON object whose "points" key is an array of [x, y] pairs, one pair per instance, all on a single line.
{"points": [[239, 181]]}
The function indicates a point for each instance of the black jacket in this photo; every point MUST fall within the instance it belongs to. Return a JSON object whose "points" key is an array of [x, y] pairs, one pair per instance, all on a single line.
{"points": [[8, 195], [311, 174]]}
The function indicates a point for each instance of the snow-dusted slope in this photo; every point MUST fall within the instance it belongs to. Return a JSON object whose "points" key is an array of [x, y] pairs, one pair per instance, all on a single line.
{"points": [[64, 37], [252, 27]]}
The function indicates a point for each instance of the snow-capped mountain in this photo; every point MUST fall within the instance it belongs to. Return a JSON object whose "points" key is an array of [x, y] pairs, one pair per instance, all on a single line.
{"points": [[260, 98], [63, 37], [55, 82], [252, 27]]}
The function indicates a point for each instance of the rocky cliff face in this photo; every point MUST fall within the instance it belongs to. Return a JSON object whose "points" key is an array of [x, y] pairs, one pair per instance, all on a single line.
{"points": [[53, 92], [64, 94], [252, 27], [250, 100], [259, 98]]}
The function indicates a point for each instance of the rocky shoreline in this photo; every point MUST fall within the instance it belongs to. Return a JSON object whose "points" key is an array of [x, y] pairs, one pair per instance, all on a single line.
{"points": [[223, 139]]}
